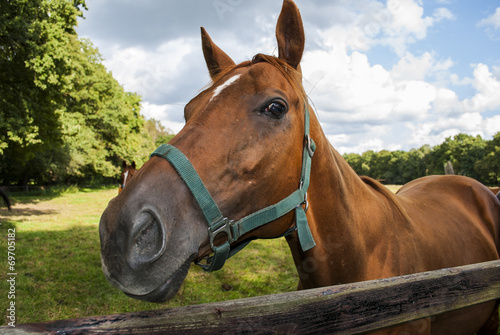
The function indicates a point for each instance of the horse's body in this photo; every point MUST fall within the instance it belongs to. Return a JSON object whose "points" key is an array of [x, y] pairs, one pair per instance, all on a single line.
{"points": [[244, 135], [128, 172]]}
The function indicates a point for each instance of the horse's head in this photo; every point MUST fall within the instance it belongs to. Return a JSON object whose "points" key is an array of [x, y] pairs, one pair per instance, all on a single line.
{"points": [[244, 139], [128, 172]]}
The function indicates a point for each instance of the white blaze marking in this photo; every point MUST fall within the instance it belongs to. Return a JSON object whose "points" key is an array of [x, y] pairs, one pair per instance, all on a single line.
{"points": [[223, 86]]}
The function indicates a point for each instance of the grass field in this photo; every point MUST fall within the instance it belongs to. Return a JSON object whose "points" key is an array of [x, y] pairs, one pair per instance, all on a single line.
{"points": [[59, 273], [58, 267]]}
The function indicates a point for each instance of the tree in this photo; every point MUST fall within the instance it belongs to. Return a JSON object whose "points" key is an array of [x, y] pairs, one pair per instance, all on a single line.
{"points": [[488, 167], [102, 122], [34, 64], [63, 117], [463, 151], [158, 132], [355, 161], [380, 167], [470, 155]]}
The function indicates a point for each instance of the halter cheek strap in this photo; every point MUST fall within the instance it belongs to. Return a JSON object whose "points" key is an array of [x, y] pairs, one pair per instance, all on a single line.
{"points": [[218, 224]]}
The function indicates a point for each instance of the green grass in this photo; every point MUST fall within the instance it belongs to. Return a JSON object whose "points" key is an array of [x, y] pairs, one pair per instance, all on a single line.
{"points": [[59, 269]]}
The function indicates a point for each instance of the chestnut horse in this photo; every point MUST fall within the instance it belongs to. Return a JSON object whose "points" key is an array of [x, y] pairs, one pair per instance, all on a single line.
{"points": [[251, 151], [128, 172]]}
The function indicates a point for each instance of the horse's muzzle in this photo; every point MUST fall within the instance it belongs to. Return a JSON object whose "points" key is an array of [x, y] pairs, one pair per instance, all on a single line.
{"points": [[130, 247]]}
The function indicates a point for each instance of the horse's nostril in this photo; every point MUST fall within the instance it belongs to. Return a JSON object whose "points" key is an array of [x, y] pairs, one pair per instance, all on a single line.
{"points": [[148, 240]]}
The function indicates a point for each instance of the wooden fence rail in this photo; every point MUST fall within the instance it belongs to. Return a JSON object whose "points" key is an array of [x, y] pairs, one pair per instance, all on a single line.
{"points": [[342, 309]]}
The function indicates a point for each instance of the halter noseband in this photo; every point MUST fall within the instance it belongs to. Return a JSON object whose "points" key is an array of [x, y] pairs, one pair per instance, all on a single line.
{"points": [[218, 224]]}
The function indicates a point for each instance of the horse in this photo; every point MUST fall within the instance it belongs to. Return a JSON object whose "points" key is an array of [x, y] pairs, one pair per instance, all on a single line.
{"points": [[5, 199], [253, 162], [128, 172]]}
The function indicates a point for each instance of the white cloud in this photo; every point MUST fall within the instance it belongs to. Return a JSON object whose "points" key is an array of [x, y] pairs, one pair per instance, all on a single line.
{"points": [[491, 24], [348, 89], [166, 114], [492, 20], [487, 86], [362, 105], [363, 143], [411, 67], [491, 125], [402, 23], [408, 17], [496, 71], [406, 25], [443, 14], [446, 102], [455, 116], [436, 132], [151, 73]]}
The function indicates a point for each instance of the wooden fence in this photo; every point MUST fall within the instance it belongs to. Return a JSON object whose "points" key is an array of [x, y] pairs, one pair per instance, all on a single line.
{"points": [[341, 309]]}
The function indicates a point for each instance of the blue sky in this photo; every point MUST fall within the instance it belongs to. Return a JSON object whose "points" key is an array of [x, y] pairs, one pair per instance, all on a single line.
{"points": [[393, 74]]}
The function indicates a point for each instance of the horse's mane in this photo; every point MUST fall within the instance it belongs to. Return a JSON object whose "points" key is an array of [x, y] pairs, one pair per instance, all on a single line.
{"points": [[388, 194]]}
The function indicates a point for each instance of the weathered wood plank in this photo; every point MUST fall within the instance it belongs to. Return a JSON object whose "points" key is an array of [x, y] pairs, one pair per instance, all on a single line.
{"points": [[338, 309]]}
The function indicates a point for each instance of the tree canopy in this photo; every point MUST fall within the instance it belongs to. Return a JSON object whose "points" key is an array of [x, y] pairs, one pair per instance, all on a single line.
{"points": [[63, 117]]}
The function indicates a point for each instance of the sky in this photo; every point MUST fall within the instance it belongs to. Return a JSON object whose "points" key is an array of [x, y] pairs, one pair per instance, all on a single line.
{"points": [[393, 75]]}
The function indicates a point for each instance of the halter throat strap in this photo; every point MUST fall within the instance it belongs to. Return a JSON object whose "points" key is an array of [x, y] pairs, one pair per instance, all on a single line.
{"points": [[218, 223]]}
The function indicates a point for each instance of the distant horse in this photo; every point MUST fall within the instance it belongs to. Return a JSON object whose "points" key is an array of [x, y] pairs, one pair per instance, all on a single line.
{"points": [[128, 172], [253, 162], [5, 199]]}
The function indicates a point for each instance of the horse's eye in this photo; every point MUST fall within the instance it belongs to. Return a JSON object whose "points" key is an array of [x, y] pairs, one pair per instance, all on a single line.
{"points": [[276, 110]]}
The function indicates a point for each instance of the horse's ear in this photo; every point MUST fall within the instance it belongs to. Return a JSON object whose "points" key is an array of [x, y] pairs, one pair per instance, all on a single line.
{"points": [[124, 164], [133, 165], [290, 34], [215, 58]]}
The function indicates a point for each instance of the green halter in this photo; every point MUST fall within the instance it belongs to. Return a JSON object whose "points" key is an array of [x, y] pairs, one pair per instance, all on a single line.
{"points": [[218, 224]]}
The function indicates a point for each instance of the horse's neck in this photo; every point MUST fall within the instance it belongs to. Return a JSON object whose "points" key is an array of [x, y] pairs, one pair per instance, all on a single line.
{"points": [[341, 207], [342, 200], [337, 187]]}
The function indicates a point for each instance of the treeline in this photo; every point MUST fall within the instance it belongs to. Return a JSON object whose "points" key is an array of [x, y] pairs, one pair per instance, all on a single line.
{"points": [[468, 155], [63, 117]]}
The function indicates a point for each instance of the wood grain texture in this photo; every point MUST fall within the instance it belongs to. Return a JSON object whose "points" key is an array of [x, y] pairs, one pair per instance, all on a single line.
{"points": [[341, 309]]}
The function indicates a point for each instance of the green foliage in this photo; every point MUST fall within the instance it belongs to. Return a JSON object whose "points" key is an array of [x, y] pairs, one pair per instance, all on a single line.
{"points": [[158, 133], [471, 156], [489, 166], [63, 117]]}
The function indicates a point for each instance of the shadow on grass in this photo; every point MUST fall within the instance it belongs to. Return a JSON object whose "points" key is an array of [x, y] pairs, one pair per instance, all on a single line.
{"points": [[19, 212], [59, 276]]}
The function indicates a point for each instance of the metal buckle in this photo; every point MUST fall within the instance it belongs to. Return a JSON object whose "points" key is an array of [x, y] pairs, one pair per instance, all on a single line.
{"points": [[309, 148], [221, 226], [304, 203]]}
